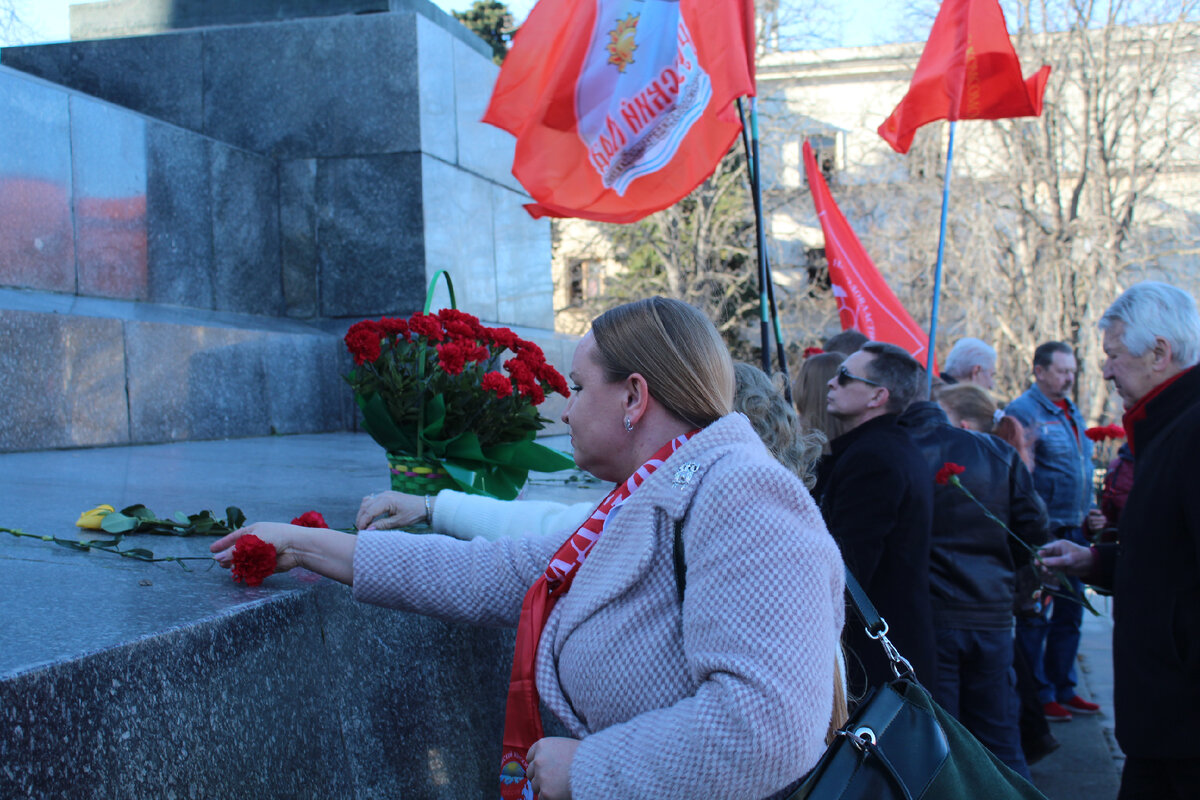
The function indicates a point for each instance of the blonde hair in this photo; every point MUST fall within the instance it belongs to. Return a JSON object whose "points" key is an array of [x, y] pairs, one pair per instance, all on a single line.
{"points": [[676, 349], [776, 422], [809, 392], [969, 402]]}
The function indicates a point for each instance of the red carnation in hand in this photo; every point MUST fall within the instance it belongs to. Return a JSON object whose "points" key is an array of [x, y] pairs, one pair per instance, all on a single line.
{"points": [[1116, 432], [1096, 434], [253, 560], [310, 519], [947, 472], [495, 382]]}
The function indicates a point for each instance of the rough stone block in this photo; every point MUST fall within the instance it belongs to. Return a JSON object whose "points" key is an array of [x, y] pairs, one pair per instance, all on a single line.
{"points": [[37, 248], [435, 66], [108, 147], [63, 380], [482, 149], [178, 217], [311, 88], [156, 75], [524, 287], [298, 236], [371, 235], [245, 232], [458, 235], [304, 391]]}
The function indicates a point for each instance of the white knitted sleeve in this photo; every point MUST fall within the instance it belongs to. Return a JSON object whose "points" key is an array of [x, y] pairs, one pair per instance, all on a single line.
{"points": [[467, 516]]}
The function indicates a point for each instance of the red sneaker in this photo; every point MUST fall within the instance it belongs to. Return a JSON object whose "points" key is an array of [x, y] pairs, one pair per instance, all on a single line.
{"points": [[1078, 705], [1055, 713]]}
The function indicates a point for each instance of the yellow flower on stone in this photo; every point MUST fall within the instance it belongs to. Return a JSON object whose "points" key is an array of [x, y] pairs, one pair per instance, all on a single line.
{"points": [[91, 519]]}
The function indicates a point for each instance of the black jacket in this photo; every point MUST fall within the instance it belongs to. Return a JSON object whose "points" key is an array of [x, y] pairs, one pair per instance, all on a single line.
{"points": [[1155, 576], [972, 558], [876, 494]]}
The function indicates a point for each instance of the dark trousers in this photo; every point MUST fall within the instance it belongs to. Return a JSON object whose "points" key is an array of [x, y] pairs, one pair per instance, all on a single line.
{"points": [[1051, 643], [976, 683], [1160, 779]]}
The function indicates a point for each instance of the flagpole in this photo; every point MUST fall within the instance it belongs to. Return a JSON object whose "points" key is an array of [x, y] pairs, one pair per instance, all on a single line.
{"points": [[756, 193], [937, 274]]}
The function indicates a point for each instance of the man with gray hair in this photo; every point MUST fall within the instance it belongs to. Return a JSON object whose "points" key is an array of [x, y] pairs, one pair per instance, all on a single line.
{"points": [[971, 361], [1152, 345]]}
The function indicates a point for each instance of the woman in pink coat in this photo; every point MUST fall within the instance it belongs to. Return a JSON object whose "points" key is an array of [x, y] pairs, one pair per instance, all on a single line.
{"points": [[710, 677]]}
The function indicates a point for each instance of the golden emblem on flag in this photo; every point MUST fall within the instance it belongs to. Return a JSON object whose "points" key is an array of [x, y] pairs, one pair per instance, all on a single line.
{"points": [[621, 44]]}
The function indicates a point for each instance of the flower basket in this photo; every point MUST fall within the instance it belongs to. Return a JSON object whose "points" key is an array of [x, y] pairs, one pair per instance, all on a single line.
{"points": [[457, 398], [413, 475]]}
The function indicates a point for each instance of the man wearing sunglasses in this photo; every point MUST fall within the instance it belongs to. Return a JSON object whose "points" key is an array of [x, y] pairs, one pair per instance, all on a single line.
{"points": [[876, 494]]}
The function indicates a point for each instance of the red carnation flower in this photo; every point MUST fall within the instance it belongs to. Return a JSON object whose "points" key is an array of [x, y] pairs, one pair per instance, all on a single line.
{"points": [[812, 351], [552, 376], [462, 321], [310, 519], [426, 325], [501, 337], [1096, 434], [495, 382], [253, 560], [362, 340], [452, 358], [1116, 432], [520, 371], [530, 353], [393, 326], [533, 391], [947, 472]]}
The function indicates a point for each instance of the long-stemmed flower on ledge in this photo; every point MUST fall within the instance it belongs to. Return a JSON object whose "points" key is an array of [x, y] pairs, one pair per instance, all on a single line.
{"points": [[948, 476]]}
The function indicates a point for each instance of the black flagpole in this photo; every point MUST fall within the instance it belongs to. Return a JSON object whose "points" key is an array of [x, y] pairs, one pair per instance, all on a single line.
{"points": [[766, 282]]}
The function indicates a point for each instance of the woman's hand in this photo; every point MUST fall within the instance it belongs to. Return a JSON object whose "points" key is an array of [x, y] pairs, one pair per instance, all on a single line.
{"points": [[325, 552], [281, 535], [549, 769], [390, 510]]}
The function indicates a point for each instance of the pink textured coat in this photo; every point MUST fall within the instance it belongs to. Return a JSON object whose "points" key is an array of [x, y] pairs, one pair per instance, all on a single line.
{"points": [[729, 696]]}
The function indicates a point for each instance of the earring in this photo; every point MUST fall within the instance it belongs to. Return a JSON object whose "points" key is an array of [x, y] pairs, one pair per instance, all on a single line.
{"points": [[628, 425]]}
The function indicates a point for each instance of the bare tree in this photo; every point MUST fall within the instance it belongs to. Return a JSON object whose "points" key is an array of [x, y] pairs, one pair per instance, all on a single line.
{"points": [[13, 28]]}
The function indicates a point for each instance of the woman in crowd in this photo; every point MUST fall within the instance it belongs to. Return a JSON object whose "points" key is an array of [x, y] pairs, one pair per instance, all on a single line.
{"points": [[713, 679], [809, 392], [969, 406], [466, 516]]}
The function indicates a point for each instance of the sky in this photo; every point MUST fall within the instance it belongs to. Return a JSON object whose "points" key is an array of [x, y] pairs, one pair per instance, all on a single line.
{"points": [[860, 22]]}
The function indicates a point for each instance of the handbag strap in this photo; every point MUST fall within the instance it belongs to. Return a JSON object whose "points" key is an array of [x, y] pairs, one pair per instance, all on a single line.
{"points": [[877, 627]]}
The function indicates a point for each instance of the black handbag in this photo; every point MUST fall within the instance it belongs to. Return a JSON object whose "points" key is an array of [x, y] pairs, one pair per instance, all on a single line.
{"points": [[900, 744]]}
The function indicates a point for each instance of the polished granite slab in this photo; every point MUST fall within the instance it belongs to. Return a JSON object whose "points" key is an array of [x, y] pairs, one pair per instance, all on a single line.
{"points": [[122, 678]]}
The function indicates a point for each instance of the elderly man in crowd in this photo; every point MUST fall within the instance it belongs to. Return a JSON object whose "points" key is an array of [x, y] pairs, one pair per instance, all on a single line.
{"points": [[1152, 345], [1063, 477], [876, 494], [971, 361]]}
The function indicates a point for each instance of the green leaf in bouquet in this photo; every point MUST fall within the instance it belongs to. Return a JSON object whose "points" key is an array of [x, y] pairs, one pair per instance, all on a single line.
{"points": [[466, 448], [435, 416], [119, 522], [378, 423], [531, 456], [463, 476], [234, 518], [504, 483]]}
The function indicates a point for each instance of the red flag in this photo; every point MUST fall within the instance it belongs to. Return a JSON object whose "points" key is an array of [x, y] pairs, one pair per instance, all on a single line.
{"points": [[864, 300], [968, 70], [622, 107]]}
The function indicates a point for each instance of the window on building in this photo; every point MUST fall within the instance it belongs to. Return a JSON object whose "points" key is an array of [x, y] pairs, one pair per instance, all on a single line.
{"points": [[585, 280]]}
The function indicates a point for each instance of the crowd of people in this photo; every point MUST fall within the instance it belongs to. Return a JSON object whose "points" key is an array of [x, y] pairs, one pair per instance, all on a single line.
{"points": [[690, 631]]}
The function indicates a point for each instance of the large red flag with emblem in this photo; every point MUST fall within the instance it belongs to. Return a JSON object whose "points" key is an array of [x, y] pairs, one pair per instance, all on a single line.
{"points": [[864, 300], [968, 70], [622, 107]]}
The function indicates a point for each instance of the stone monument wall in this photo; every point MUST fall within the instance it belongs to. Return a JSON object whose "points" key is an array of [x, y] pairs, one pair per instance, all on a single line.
{"points": [[192, 219]]}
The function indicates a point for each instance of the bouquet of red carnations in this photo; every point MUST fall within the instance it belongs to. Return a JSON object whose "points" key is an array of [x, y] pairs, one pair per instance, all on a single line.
{"points": [[453, 402]]}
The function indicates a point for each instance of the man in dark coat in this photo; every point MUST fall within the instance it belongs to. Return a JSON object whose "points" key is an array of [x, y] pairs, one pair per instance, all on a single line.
{"points": [[1152, 345], [972, 565], [876, 494]]}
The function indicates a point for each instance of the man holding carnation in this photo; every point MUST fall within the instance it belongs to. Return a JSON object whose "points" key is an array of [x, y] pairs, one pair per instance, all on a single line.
{"points": [[1152, 346]]}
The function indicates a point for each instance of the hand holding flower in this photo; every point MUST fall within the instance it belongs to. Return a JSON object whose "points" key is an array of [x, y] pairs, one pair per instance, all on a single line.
{"points": [[326, 552], [1066, 556], [388, 510]]}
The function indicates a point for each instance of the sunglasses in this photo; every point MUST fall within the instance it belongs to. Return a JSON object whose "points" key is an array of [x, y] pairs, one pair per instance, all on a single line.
{"points": [[844, 376]]}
